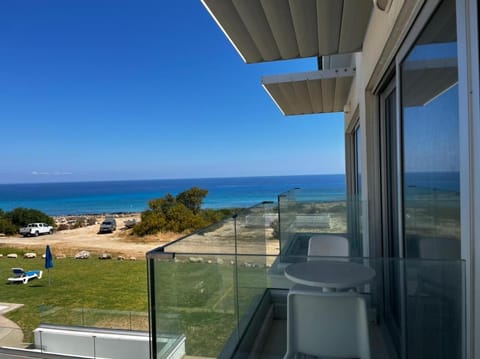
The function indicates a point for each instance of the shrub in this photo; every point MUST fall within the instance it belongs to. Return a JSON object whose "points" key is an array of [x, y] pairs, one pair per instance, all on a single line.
{"points": [[7, 227], [182, 219], [180, 214], [20, 217], [63, 227], [276, 230], [162, 204], [78, 224], [192, 198], [152, 222]]}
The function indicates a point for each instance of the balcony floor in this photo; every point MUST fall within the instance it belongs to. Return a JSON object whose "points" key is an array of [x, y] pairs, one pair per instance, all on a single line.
{"points": [[276, 343], [273, 342]]}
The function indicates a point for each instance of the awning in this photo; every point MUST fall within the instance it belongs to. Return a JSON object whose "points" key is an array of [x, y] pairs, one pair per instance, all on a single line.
{"points": [[310, 92], [267, 30]]}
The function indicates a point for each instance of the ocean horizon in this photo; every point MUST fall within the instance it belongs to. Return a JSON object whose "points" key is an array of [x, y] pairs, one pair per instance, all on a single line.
{"points": [[121, 196]]}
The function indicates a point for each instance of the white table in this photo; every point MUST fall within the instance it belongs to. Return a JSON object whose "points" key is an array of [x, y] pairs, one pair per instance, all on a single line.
{"points": [[329, 274]]}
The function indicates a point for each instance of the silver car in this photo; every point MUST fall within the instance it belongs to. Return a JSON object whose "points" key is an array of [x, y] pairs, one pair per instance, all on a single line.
{"points": [[108, 225]]}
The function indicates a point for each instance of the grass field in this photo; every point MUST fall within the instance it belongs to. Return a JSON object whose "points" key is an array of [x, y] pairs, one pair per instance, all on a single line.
{"points": [[81, 293], [195, 299]]}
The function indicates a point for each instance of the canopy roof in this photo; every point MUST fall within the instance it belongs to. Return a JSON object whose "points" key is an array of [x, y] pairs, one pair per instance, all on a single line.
{"points": [[310, 92], [267, 30]]}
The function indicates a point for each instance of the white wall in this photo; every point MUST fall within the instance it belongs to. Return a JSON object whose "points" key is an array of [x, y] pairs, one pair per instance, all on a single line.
{"points": [[92, 344]]}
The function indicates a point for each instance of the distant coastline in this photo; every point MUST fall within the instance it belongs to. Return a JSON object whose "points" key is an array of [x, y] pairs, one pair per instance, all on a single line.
{"points": [[81, 198]]}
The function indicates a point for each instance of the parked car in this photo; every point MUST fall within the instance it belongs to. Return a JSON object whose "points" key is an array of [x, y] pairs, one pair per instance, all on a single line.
{"points": [[35, 229], [108, 225]]}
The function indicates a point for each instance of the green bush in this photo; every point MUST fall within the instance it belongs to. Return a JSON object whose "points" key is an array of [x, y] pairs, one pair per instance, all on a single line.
{"points": [[20, 217], [7, 227], [162, 204], [151, 222], [180, 214], [182, 219], [193, 198]]}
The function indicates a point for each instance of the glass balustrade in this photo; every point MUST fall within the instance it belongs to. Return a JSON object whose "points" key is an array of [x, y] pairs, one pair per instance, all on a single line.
{"points": [[225, 289], [303, 214]]}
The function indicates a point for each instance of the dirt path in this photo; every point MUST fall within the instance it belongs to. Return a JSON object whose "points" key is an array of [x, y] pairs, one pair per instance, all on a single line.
{"points": [[122, 243], [71, 241]]}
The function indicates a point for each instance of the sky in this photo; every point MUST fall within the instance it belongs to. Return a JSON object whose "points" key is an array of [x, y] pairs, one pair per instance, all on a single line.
{"points": [[144, 89]]}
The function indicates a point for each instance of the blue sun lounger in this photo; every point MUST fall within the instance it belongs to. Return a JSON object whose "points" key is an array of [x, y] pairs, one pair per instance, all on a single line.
{"points": [[20, 276]]}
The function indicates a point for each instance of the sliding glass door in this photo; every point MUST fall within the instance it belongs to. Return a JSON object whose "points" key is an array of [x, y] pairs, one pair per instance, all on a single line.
{"points": [[430, 188], [391, 243], [419, 131], [430, 172]]}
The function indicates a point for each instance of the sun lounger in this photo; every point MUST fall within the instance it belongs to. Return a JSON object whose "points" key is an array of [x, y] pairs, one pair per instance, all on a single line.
{"points": [[20, 276]]}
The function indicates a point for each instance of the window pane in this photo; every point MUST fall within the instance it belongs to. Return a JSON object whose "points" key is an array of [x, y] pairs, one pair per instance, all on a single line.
{"points": [[430, 141]]}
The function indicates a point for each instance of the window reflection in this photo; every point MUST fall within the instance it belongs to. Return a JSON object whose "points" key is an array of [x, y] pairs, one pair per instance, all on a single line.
{"points": [[431, 177], [431, 180]]}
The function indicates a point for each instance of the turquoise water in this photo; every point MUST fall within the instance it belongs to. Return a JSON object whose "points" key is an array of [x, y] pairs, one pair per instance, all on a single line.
{"points": [[133, 196]]}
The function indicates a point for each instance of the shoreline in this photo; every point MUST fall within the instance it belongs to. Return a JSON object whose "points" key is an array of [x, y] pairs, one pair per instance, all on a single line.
{"points": [[96, 215], [78, 198]]}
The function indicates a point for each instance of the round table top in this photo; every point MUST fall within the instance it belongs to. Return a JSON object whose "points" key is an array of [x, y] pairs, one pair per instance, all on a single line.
{"points": [[329, 274]]}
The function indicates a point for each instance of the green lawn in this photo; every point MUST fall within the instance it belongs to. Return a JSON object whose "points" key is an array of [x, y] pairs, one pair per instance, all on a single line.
{"points": [[80, 293], [195, 299]]}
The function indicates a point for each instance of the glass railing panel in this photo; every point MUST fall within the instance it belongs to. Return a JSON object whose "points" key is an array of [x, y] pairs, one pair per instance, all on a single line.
{"points": [[254, 228], [286, 218], [202, 283], [303, 214], [216, 238], [194, 297], [253, 240], [95, 318], [251, 284], [236, 305], [246, 231], [222, 290]]}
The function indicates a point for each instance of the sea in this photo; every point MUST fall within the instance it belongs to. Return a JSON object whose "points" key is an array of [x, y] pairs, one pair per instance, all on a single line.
{"points": [[76, 198]]}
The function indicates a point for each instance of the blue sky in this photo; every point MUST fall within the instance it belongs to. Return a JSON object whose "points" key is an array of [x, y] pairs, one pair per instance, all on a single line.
{"points": [[100, 90]]}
